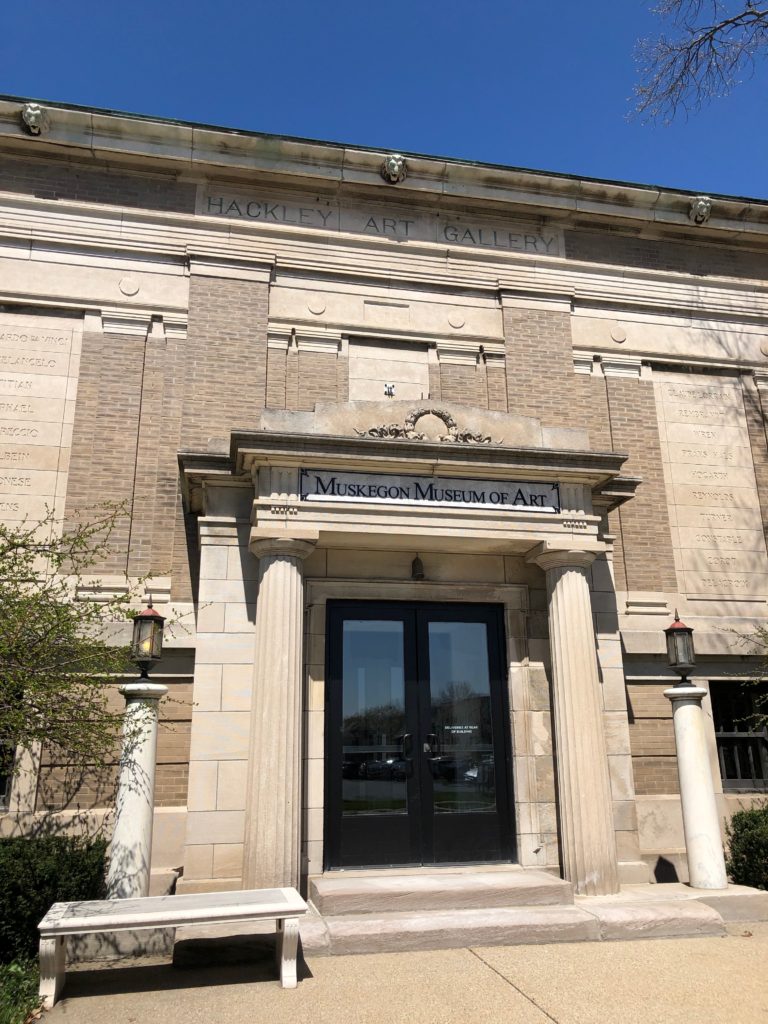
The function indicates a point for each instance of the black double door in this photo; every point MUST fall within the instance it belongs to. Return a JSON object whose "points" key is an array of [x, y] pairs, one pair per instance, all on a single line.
{"points": [[416, 735]]}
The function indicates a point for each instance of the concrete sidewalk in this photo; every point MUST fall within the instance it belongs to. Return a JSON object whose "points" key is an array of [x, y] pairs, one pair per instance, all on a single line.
{"points": [[662, 981]]}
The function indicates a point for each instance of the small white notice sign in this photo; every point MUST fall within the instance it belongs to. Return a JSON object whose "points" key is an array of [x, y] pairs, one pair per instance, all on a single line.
{"points": [[387, 489]]}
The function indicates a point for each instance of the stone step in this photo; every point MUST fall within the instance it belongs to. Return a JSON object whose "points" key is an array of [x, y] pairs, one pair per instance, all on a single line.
{"points": [[386, 892], [505, 926]]}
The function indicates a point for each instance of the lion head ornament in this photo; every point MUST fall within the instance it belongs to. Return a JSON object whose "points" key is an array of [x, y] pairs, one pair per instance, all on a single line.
{"points": [[34, 118], [700, 209], [394, 169]]}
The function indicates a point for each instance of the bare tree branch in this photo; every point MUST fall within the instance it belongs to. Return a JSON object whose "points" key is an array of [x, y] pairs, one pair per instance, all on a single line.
{"points": [[712, 46]]}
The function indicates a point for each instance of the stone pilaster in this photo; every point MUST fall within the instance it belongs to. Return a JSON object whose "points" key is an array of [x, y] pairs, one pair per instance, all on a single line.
{"points": [[273, 805], [701, 823], [588, 841]]}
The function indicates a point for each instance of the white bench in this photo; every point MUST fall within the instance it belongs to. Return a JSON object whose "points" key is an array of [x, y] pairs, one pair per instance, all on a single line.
{"points": [[284, 906]]}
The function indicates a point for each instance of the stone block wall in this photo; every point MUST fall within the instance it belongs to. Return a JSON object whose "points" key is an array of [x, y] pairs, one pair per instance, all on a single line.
{"points": [[687, 257], [94, 183]]}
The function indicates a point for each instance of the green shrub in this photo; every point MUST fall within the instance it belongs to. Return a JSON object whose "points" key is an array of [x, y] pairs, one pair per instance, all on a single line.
{"points": [[748, 841], [36, 872], [19, 982]]}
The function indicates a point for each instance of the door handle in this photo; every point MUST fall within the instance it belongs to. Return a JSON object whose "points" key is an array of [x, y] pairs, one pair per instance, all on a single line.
{"points": [[407, 746], [430, 744]]}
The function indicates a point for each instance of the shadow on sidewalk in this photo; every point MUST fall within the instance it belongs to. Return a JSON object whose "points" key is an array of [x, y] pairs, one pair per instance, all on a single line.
{"points": [[197, 963]]}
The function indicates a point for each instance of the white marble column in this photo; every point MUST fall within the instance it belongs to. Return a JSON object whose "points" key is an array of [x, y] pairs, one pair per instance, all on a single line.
{"points": [[701, 823], [273, 795], [130, 854], [588, 841]]}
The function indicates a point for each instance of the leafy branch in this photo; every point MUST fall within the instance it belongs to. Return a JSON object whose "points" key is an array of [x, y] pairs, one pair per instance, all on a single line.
{"points": [[61, 655]]}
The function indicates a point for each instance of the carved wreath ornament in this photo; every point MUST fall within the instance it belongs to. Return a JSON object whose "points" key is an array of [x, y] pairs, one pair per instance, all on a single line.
{"points": [[407, 430]]}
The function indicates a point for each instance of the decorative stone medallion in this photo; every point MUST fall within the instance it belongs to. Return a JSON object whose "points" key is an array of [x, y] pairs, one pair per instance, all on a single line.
{"points": [[129, 285], [408, 429]]}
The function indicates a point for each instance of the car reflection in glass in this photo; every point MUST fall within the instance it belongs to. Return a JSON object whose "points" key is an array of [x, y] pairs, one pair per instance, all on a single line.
{"points": [[391, 768]]}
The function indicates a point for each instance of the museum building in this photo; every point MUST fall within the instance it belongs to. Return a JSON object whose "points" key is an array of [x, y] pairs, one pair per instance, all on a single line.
{"points": [[425, 454]]}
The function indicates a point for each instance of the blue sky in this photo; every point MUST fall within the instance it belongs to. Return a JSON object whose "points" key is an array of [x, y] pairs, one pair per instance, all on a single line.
{"points": [[546, 86]]}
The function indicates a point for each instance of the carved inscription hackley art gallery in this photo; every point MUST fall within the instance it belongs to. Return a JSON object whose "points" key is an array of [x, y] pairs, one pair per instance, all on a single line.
{"points": [[446, 229]]}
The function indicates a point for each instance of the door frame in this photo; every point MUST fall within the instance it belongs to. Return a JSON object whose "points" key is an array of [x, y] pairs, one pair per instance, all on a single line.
{"points": [[521, 784], [419, 829]]}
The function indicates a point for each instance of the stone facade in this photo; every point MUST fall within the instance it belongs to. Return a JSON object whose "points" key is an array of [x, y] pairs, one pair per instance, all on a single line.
{"points": [[189, 327]]}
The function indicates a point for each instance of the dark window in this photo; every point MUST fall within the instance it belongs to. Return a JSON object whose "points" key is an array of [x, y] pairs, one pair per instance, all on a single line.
{"points": [[739, 711]]}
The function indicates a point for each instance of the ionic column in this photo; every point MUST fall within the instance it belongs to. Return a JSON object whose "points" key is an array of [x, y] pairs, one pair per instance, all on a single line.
{"points": [[587, 836], [130, 854], [701, 822], [273, 805]]}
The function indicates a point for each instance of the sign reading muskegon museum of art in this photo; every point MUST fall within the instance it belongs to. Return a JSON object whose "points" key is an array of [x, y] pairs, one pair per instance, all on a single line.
{"points": [[386, 489]]}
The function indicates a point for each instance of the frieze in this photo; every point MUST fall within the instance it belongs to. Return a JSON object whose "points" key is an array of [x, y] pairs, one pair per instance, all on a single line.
{"points": [[458, 229]]}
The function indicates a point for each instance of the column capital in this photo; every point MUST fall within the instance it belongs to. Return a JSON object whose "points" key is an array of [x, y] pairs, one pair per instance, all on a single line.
{"points": [[296, 544], [142, 689], [547, 556], [689, 692]]}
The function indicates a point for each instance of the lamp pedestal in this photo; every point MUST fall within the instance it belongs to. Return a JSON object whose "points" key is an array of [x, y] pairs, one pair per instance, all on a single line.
{"points": [[131, 850], [701, 823]]}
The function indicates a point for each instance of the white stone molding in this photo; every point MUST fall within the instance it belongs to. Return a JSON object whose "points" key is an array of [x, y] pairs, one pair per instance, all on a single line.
{"points": [[626, 366], [588, 841], [643, 603], [761, 379], [279, 338], [467, 352], [130, 854], [141, 323], [92, 323], [205, 265], [701, 822], [584, 362], [308, 340], [273, 793], [544, 301]]}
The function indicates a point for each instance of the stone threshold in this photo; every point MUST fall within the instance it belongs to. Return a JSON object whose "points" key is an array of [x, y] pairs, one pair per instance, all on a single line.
{"points": [[367, 892]]}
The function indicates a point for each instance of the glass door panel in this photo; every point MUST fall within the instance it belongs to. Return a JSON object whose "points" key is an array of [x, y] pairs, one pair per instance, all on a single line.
{"points": [[373, 718], [461, 759]]}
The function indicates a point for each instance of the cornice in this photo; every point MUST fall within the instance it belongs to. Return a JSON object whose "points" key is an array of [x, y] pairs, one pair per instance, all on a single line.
{"points": [[264, 447], [205, 151]]}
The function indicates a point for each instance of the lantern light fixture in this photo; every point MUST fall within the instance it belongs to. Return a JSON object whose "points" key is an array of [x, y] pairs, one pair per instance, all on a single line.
{"points": [[680, 652], [147, 643]]}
